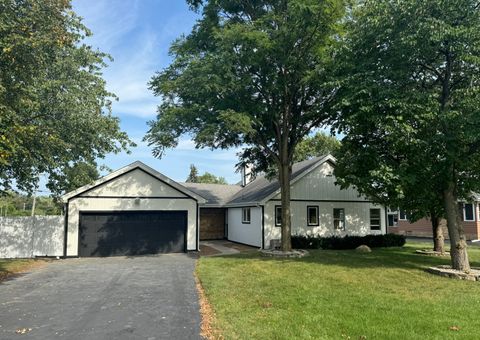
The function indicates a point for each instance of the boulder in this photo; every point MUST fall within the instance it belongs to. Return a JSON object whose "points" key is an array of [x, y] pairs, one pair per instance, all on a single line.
{"points": [[363, 249]]}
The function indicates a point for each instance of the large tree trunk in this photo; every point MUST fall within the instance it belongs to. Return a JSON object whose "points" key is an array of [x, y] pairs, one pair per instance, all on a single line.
{"points": [[458, 242], [284, 178], [438, 239]]}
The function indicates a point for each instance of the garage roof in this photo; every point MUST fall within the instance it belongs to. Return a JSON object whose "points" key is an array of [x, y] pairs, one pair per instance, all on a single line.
{"points": [[136, 165]]}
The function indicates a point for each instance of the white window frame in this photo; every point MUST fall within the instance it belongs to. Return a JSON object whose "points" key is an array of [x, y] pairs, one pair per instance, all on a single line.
{"points": [[340, 219], [379, 225], [246, 215], [317, 217], [465, 213], [400, 215]]}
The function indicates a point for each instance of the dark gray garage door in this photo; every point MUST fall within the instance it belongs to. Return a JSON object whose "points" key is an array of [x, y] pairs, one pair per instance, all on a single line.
{"points": [[132, 233]]}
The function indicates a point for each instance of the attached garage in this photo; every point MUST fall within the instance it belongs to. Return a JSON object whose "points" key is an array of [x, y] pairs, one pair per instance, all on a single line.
{"points": [[133, 211]]}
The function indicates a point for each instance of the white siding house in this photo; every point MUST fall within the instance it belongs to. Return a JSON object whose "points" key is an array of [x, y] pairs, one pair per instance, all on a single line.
{"points": [[332, 211]]}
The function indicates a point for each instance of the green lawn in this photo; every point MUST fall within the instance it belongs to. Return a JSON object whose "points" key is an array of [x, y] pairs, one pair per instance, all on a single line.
{"points": [[385, 294]]}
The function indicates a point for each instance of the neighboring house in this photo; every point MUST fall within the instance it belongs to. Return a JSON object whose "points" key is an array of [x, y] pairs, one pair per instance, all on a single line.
{"points": [[398, 222], [137, 210]]}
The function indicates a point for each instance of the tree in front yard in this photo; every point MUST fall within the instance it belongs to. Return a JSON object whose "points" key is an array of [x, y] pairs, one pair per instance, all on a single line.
{"points": [[250, 74], [410, 104], [55, 109]]}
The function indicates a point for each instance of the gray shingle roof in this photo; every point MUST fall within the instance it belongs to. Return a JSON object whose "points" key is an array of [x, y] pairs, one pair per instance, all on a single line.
{"points": [[215, 194], [261, 187]]}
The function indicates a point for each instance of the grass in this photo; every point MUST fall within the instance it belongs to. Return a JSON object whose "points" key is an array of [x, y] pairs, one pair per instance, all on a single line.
{"points": [[385, 294], [12, 267]]}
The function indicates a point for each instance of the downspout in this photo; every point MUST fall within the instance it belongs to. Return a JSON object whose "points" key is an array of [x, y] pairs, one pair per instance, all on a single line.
{"points": [[263, 227], [65, 237]]}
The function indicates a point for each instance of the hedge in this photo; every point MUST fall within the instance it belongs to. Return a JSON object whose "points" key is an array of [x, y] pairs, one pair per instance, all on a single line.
{"points": [[346, 242]]}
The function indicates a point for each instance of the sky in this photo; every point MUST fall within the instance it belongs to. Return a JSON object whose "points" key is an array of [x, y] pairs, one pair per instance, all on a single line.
{"points": [[138, 34]]}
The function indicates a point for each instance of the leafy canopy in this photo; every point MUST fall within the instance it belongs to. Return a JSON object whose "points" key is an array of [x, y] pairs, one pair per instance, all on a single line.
{"points": [[410, 100], [317, 145], [250, 74], [55, 109]]}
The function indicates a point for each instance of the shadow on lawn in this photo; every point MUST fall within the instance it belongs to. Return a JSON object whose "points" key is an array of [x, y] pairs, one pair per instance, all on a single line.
{"points": [[395, 257]]}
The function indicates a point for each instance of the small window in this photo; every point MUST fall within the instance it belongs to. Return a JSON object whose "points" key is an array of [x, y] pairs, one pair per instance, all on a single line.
{"points": [[246, 215], [339, 219], [402, 215], [278, 215], [312, 215], [375, 219], [468, 212], [392, 220]]}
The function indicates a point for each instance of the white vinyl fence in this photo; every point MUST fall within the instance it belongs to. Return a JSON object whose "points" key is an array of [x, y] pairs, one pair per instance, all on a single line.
{"points": [[25, 237]]}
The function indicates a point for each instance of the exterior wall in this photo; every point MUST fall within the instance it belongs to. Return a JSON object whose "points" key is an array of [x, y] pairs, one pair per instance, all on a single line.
{"points": [[357, 219], [423, 228], [76, 205], [212, 223], [318, 189], [251, 233], [320, 185], [25, 237], [136, 183]]}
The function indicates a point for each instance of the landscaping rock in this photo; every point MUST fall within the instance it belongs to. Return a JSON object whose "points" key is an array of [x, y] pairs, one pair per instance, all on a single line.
{"points": [[447, 271], [363, 249], [429, 252], [294, 253]]}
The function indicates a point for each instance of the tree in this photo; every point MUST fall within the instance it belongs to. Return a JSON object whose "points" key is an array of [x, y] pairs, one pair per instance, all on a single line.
{"points": [[211, 178], [207, 177], [317, 145], [55, 109], [193, 175], [71, 177], [251, 74], [409, 105]]}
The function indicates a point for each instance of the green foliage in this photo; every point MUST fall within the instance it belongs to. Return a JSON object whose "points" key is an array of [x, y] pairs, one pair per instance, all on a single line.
{"points": [[410, 102], [193, 175], [250, 74], [347, 242], [317, 145], [207, 177], [55, 109], [14, 204], [210, 178]]}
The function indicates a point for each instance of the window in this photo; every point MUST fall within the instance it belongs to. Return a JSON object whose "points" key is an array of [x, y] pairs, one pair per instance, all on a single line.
{"points": [[278, 215], [246, 215], [402, 215], [393, 220], [375, 219], [339, 219], [312, 216], [468, 212]]}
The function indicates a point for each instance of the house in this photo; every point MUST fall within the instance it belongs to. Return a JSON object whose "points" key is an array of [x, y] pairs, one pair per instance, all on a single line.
{"points": [[137, 210], [398, 222]]}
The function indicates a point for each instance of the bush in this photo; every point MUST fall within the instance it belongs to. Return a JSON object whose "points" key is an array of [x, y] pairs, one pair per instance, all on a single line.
{"points": [[346, 242]]}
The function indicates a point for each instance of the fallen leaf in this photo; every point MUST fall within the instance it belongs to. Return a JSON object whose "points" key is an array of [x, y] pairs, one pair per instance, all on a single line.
{"points": [[454, 328], [23, 330]]}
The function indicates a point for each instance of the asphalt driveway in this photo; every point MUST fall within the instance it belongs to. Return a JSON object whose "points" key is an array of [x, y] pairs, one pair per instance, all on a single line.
{"points": [[147, 297]]}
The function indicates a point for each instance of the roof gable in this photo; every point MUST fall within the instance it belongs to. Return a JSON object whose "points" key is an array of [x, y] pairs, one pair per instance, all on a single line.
{"points": [[134, 180], [262, 189]]}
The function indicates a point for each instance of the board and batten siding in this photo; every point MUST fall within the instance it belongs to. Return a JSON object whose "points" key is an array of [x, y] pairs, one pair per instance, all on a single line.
{"points": [[318, 189], [119, 195], [246, 233]]}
